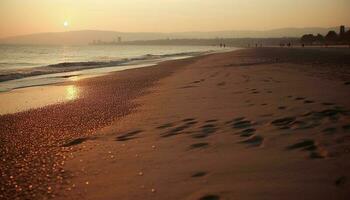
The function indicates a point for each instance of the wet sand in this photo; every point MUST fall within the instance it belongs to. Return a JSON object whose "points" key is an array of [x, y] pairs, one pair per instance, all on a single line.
{"points": [[263, 123], [35, 143]]}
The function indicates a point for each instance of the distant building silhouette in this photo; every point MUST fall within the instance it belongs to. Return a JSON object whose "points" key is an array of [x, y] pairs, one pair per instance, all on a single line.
{"points": [[347, 37], [342, 30], [332, 38]]}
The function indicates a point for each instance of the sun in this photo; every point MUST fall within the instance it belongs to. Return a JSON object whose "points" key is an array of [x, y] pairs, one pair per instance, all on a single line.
{"points": [[65, 24]]}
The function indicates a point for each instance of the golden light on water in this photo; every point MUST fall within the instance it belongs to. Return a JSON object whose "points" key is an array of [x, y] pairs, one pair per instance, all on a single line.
{"points": [[72, 93], [74, 78]]}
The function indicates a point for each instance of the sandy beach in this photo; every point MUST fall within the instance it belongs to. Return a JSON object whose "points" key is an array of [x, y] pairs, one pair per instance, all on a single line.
{"points": [[264, 123]]}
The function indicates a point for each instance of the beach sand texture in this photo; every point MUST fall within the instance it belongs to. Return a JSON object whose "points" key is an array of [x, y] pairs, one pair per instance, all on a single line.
{"points": [[266, 123]]}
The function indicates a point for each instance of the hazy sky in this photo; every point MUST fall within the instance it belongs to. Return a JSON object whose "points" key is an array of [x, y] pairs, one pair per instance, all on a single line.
{"points": [[32, 16]]}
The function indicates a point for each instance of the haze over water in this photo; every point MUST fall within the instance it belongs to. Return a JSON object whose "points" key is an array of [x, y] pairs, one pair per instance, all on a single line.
{"points": [[26, 65], [17, 57]]}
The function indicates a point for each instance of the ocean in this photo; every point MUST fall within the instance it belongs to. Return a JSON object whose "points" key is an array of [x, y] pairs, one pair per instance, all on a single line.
{"points": [[26, 65]]}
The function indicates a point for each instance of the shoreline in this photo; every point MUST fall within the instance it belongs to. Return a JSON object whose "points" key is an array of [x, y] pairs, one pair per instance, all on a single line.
{"points": [[59, 85], [50, 128], [247, 111], [68, 67]]}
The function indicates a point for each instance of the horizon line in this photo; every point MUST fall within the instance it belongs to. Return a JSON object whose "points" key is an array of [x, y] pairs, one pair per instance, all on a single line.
{"points": [[160, 32]]}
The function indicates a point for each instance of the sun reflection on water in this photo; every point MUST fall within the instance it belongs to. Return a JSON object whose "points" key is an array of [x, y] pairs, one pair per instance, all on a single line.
{"points": [[74, 78], [72, 93]]}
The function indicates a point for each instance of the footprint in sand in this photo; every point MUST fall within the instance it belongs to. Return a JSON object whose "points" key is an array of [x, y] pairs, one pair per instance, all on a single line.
{"points": [[210, 197], [332, 114], [189, 86], [306, 144], [254, 91], [313, 119], [307, 124], [240, 123], [199, 174], [283, 123], [191, 123], [199, 145], [309, 145], [247, 132], [76, 141], [176, 130], [188, 119], [254, 141], [206, 130], [128, 136], [282, 107], [221, 83], [164, 126], [187, 123]]}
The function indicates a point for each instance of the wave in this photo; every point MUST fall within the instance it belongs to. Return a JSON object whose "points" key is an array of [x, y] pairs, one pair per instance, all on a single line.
{"points": [[76, 66], [16, 63]]}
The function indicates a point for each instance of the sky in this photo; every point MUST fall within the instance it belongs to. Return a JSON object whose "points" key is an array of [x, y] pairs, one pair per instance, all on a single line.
{"points": [[18, 17]]}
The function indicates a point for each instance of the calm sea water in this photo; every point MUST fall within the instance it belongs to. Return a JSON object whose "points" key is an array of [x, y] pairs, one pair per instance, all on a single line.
{"points": [[16, 57], [26, 66]]}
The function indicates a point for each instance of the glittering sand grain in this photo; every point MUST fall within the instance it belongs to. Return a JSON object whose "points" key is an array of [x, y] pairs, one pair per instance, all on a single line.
{"points": [[33, 144]]}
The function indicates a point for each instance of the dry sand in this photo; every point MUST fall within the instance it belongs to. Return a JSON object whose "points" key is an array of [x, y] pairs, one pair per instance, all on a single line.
{"points": [[265, 123]]}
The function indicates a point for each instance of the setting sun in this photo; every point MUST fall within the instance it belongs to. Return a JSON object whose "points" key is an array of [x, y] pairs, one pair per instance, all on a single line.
{"points": [[174, 99]]}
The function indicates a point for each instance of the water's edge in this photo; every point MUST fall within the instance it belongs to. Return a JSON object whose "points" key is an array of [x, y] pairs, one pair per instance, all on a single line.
{"points": [[63, 72]]}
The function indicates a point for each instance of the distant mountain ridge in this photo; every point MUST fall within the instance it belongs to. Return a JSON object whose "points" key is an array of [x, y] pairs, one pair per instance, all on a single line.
{"points": [[88, 36]]}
